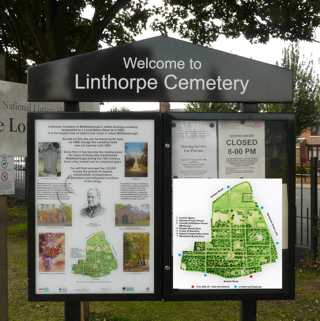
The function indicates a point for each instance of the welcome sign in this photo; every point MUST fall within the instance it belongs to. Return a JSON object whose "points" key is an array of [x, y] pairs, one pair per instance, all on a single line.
{"points": [[170, 81], [159, 69]]}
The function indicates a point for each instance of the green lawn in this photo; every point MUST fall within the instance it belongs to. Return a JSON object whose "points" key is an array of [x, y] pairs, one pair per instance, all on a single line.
{"points": [[306, 307]]}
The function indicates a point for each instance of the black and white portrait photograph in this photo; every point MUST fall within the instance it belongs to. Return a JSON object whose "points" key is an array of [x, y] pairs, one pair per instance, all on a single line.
{"points": [[93, 207]]}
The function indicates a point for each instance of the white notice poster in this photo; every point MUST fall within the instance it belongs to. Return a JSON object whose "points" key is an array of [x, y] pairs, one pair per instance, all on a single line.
{"points": [[241, 149], [227, 234], [194, 149], [94, 206]]}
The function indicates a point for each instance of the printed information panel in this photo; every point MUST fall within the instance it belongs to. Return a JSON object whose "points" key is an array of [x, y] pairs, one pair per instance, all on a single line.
{"points": [[94, 206], [227, 234], [241, 149], [195, 149]]}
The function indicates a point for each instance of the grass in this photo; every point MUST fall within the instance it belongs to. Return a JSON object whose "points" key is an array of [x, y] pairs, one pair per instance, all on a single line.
{"points": [[306, 307]]}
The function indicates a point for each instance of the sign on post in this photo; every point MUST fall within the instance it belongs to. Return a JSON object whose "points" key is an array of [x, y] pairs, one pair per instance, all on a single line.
{"points": [[7, 175], [223, 238], [93, 224]]}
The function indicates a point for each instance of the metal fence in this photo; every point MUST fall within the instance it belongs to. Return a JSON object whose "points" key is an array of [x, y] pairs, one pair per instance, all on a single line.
{"points": [[308, 212], [303, 215], [20, 168]]}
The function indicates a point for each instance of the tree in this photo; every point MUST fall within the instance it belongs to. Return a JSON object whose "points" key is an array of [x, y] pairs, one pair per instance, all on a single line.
{"points": [[203, 21], [212, 107], [306, 94], [51, 29]]}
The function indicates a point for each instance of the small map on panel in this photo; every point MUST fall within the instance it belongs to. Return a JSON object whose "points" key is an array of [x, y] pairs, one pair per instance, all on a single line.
{"points": [[99, 260], [241, 242]]}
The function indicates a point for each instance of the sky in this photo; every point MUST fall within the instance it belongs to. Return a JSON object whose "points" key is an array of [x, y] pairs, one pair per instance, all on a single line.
{"points": [[270, 52]]}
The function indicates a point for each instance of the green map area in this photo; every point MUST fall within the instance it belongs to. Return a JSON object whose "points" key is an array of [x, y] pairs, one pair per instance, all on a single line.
{"points": [[240, 243], [99, 261]]}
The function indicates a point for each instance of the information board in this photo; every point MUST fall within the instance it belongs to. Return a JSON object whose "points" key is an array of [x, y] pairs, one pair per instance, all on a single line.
{"points": [[94, 210], [228, 234], [195, 144], [232, 232], [241, 149]]}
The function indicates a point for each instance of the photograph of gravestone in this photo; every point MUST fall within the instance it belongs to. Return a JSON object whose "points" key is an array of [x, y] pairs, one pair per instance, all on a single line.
{"points": [[128, 214], [136, 159], [49, 160]]}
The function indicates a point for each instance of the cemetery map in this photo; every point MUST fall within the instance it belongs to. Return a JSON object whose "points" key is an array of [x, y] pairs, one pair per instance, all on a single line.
{"points": [[241, 243], [99, 260]]}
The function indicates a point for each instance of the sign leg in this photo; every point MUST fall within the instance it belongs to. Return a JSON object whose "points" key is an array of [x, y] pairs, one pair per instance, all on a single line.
{"points": [[248, 310], [72, 311], [3, 259]]}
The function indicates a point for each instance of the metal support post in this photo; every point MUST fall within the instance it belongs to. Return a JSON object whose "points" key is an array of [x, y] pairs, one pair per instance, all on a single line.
{"points": [[75, 311], [248, 310], [72, 311], [249, 307], [249, 108], [71, 106], [314, 207]]}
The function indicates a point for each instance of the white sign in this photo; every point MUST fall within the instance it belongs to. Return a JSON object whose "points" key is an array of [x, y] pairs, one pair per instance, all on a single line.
{"points": [[94, 206], [7, 175], [13, 116], [194, 149], [241, 149], [227, 234]]}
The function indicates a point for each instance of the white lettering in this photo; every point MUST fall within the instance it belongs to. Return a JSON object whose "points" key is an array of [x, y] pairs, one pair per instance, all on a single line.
{"points": [[77, 83], [130, 62], [166, 80], [244, 86], [147, 63]]}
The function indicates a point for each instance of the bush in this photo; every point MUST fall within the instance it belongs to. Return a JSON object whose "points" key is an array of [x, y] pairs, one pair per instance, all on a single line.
{"points": [[302, 169]]}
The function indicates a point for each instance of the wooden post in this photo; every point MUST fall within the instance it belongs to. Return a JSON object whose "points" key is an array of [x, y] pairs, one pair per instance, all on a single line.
{"points": [[3, 259], [2, 67], [164, 107], [85, 311]]}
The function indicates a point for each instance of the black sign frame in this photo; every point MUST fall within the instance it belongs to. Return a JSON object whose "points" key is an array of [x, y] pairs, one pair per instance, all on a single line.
{"points": [[32, 294], [288, 289], [103, 75]]}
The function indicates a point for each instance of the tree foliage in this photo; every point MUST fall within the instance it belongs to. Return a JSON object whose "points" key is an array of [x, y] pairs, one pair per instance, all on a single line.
{"points": [[203, 21], [306, 94], [51, 29], [212, 107]]}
